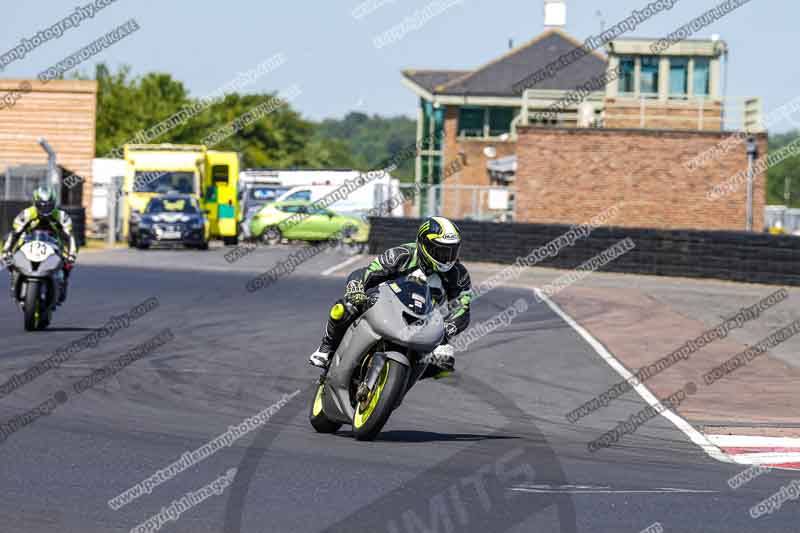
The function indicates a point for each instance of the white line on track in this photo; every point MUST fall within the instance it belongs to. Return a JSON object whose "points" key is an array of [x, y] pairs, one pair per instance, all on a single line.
{"points": [[786, 449], [608, 490], [744, 441], [694, 435], [341, 265], [175, 370], [766, 458]]}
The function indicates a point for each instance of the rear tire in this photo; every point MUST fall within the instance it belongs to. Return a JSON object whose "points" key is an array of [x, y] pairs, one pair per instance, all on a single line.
{"points": [[316, 415], [230, 241], [31, 306], [371, 416]]}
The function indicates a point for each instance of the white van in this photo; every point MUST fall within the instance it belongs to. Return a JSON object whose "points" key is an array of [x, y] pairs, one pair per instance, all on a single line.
{"points": [[372, 195]]}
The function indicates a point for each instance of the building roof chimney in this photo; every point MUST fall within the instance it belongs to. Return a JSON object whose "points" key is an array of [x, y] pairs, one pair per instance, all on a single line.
{"points": [[555, 14]]}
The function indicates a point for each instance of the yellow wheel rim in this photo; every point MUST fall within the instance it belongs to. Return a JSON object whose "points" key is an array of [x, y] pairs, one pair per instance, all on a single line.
{"points": [[363, 415], [317, 409]]}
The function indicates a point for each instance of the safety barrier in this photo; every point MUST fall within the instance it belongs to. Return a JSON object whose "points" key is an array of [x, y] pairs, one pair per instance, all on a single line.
{"points": [[728, 255]]}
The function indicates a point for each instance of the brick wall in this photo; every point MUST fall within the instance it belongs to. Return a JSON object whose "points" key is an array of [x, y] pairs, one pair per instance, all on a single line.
{"points": [[457, 203], [567, 175], [63, 112]]}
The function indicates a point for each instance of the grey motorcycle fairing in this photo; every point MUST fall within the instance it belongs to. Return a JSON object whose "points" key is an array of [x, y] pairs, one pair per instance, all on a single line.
{"points": [[49, 271], [44, 269], [359, 339], [384, 320]]}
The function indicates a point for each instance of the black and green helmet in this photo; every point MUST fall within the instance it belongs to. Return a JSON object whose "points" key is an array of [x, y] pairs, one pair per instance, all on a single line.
{"points": [[438, 244], [44, 199]]}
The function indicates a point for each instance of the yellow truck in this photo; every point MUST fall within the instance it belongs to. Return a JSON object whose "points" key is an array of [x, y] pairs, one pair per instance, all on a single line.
{"points": [[211, 176]]}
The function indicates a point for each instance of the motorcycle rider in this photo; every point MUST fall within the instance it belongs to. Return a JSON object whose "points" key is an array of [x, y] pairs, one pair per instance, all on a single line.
{"points": [[43, 215], [435, 251]]}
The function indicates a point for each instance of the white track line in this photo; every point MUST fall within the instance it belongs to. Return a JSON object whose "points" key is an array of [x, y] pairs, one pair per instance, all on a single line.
{"points": [[766, 458], [614, 491], [744, 441], [341, 265], [694, 435]]}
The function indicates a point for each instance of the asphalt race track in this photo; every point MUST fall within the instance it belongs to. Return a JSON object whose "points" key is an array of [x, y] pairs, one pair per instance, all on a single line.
{"points": [[486, 450]]}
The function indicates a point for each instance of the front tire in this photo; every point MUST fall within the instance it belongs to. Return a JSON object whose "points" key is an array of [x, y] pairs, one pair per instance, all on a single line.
{"points": [[271, 236], [316, 415], [31, 306], [46, 319], [372, 414]]}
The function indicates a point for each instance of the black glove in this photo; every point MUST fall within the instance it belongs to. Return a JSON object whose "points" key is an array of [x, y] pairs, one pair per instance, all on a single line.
{"points": [[354, 293]]}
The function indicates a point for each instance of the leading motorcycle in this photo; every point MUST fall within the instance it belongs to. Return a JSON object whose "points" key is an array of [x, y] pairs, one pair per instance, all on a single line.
{"points": [[39, 279], [382, 355]]}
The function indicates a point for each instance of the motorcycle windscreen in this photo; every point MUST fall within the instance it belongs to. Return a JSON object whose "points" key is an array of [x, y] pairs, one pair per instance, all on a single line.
{"points": [[41, 260], [414, 296]]}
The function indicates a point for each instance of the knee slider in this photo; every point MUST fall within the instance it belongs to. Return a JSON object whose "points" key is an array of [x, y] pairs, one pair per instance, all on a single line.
{"points": [[337, 311]]}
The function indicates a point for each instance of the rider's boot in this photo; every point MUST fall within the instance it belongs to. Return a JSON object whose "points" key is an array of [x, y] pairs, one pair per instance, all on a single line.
{"points": [[322, 356], [12, 286], [63, 297], [64, 286], [442, 363]]}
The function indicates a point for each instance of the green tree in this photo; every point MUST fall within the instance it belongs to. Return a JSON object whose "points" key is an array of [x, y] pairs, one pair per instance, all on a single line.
{"points": [[281, 139], [126, 106], [277, 139], [373, 140], [780, 140], [789, 168]]}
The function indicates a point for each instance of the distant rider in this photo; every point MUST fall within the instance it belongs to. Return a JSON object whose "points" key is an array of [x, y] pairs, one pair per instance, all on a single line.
{"points": [[436, 251], [43, 215]]}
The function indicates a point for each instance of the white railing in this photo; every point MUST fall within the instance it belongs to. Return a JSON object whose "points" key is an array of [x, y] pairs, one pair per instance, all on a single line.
{"points": [[643, 111], [730, 114]]}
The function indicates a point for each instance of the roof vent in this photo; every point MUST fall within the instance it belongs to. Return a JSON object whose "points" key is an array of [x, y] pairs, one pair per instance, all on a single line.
{"points": [[555, 13]]}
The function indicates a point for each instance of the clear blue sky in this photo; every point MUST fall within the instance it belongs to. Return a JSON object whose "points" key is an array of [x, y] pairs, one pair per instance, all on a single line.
{"points": [[332, 58]]}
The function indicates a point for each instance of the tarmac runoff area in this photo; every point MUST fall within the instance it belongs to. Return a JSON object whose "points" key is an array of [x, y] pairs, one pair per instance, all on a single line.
{"points": [[490, 446], [744, 413]]}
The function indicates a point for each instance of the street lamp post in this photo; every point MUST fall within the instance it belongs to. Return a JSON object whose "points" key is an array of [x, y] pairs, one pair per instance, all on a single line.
{"points": [[752, 154], [53, 176]]}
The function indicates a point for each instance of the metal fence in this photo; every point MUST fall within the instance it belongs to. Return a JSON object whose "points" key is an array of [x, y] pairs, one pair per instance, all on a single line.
{"points": [[464, 202], [784, 217], [19, 182]]}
